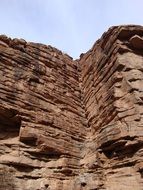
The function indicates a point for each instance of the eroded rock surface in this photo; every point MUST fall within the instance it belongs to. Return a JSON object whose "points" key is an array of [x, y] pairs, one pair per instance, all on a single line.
{"points": [[72, 125]]}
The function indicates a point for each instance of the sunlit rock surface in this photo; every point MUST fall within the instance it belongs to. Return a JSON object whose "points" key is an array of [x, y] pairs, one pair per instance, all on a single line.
{"points": [[72, 125]]}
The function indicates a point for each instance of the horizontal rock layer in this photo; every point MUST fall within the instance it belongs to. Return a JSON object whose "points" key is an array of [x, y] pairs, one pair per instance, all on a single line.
{"points": [[68, 124]]}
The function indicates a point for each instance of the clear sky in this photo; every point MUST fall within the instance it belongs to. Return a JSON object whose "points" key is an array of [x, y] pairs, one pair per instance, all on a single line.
{"points": [[70, 25]]}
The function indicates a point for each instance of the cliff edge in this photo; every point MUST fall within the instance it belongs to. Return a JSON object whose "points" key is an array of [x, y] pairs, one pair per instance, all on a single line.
{"points": [[72, 124]]}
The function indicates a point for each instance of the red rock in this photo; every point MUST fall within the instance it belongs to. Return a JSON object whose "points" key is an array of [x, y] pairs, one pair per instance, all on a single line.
{"points": [[137, 42], [68, 124]]}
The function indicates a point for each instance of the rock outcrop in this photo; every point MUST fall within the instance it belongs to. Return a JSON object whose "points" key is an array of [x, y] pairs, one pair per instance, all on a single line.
{"points": [[72, 125]]}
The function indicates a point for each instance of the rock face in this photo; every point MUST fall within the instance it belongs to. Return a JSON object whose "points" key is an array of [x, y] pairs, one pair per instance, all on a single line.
{"points": [[72, 125]]}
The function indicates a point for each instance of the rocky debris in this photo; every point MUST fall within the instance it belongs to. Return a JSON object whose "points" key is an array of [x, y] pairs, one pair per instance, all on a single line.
{"points": [[68, 124]]}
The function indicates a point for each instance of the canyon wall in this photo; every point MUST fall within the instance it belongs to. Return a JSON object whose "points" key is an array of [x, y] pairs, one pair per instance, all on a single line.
{"points": [[112, 86], [72, 124]]}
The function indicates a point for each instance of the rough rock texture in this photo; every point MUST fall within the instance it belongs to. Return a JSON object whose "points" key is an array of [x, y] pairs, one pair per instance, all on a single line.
{"points": [[72, 125]]}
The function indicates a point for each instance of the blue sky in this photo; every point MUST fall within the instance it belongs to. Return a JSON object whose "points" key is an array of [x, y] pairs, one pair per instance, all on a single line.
{"points": [[70, 25]]}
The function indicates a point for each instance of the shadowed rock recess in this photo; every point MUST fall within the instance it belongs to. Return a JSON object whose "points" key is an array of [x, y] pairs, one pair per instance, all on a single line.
{"points": [[72, 125]]}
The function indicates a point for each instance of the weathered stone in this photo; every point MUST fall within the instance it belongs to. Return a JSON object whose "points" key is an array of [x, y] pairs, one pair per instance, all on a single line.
{"points": [[68, 124], [137, 42]]}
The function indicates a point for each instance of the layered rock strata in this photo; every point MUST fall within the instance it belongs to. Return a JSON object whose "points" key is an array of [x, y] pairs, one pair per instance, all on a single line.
{"points": [[68, 124]]}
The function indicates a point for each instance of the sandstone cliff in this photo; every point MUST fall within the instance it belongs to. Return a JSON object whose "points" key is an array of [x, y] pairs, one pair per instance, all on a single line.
{"points": [[72, 125]]}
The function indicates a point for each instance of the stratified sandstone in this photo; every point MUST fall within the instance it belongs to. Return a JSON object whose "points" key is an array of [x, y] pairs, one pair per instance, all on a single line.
{"points": [[72, 125]]}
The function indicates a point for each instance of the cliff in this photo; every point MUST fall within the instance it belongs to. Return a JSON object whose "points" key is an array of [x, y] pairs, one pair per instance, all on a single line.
{"points": [[72, 125]]}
